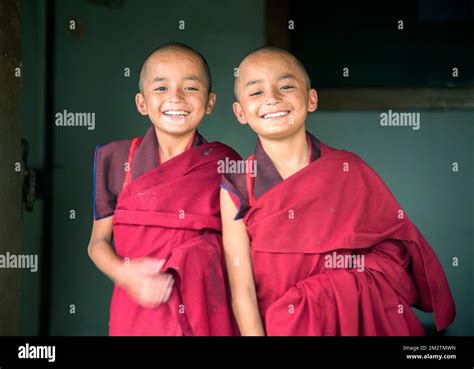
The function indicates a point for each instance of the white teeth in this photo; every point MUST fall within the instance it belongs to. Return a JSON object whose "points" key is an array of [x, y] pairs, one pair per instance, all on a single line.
{"points": [[273, 115], [175, 112]]}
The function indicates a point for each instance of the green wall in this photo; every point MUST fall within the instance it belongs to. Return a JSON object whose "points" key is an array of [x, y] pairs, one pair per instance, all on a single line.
{"points": [[89, 77]]}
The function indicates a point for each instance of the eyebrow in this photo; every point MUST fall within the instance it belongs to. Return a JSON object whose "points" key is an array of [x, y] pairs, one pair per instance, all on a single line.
{"points": [[286, 76], [255, 81], [190, 77], [159, 79]]}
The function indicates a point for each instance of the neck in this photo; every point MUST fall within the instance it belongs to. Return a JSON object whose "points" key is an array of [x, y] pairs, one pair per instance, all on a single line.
{"points": [[171, 146], [290, 154]]}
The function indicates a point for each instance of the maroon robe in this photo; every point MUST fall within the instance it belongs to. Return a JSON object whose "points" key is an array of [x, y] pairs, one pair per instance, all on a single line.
{"points": [[172, 212], [300, 226]]}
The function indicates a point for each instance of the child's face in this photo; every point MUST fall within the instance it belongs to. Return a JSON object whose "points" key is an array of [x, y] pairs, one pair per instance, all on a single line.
{"points": [[273, 97], [175, 95]]}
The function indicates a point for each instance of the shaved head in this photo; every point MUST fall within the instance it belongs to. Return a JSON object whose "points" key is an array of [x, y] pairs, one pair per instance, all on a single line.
{"points": [[176, 46], [276, 51]]}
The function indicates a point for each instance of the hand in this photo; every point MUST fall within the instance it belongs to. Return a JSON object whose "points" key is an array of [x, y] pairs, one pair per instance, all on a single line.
{"points": [[146, 285]]}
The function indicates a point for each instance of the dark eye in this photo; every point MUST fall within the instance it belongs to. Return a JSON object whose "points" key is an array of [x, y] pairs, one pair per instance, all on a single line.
{"points": [[161, 88], [191, 89], [286, 87], [256, 93]]}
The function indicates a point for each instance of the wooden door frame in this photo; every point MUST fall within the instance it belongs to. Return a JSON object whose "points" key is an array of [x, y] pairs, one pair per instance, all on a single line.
{"points": [[10, 164]]}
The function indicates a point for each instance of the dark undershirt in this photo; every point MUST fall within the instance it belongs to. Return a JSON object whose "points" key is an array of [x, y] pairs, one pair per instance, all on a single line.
{"points": [[267, 177]]}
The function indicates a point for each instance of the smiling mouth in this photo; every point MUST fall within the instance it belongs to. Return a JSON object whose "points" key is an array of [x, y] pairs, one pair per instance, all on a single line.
{"points": [[177, 114], [275, 115]]}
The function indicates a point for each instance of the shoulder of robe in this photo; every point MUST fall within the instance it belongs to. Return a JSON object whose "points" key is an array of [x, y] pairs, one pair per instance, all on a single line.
{"points": [[115, 152], [227, 151], [114, 147], [109, 172], [365, 173], [350, 157], [110, 162]]}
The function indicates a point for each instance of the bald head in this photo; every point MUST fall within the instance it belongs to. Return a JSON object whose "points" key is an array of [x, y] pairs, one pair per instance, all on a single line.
{"points": [[176, 46], [271, 51]]}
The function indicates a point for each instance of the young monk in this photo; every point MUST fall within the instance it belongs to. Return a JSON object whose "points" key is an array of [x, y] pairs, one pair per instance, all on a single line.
{"points": [[315, 243], [157, 197]]}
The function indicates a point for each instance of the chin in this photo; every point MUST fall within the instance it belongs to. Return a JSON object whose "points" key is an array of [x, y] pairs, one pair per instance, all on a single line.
{"points": [[278, 133], [275, 129], [172, 129], [185, 129]]}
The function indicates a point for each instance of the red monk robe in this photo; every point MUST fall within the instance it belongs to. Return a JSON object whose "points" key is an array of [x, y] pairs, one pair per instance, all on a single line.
{"points": [[168, 211], [336, 206]]}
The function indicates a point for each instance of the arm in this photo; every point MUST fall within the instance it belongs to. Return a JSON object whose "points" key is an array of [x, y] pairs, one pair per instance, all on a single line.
{"points": [[141, 278], [101, 251], [239, 269]]}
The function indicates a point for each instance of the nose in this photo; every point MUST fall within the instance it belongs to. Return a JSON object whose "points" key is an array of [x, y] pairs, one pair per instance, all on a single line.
{"points": [[274, 96], [176, 95]]}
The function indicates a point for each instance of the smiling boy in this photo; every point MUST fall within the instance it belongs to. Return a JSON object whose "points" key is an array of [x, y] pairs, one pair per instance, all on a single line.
{"points": [[157, 197], [310, 204]]}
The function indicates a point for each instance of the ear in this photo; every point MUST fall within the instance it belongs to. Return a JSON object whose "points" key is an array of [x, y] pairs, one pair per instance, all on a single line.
{"points": [[211, 102], [141, 104], [313, 100], [239, 113]]}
